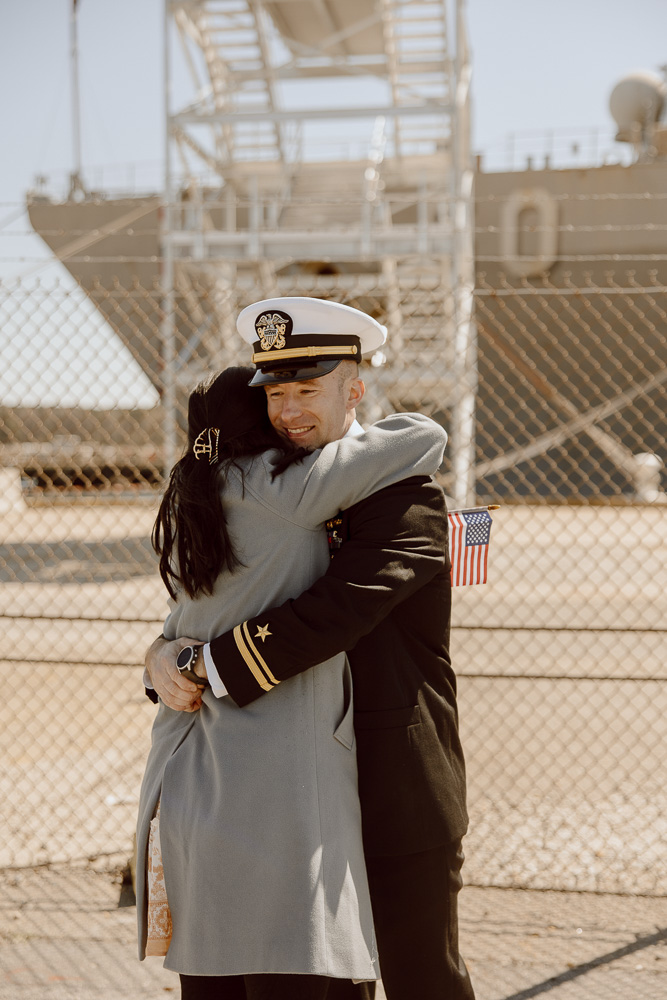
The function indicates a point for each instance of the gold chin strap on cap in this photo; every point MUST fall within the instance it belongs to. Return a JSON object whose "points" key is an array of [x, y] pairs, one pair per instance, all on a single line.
{"points": [[328, 350], [206, 445]]}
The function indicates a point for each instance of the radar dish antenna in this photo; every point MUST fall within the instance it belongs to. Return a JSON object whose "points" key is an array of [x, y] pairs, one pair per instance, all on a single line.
{"points": [[636, 103]]}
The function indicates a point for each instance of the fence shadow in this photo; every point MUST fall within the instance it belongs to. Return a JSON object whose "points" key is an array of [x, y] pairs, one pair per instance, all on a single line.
{"points": [[581, 970]]}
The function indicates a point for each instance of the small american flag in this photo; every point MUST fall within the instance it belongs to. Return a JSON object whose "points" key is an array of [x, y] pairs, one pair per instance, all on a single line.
{"points": [[469, 536]]}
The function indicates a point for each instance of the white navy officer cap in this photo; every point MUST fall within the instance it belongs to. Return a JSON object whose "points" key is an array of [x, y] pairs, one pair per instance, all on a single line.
{"points": [[296, 338]]}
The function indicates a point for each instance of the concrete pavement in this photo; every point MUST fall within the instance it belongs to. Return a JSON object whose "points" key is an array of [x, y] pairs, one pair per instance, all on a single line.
{"points": [[64, 936]]}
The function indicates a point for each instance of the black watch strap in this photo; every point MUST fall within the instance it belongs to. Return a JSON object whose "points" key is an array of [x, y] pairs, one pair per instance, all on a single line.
{"points": [[185, 662]]}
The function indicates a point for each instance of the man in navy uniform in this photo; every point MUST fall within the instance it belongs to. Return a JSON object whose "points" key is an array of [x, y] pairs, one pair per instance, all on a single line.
{"points": [[386, 599]]}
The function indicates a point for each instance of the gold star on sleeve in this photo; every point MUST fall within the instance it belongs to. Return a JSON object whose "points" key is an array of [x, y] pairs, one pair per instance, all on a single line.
{"points": [[262, 632]]}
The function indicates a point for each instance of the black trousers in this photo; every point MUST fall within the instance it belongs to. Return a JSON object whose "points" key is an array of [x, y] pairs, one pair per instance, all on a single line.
{"points": [[273, 987], [415, 910]]}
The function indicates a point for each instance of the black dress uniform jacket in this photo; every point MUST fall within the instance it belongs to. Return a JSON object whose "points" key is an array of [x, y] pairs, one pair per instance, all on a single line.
{"points": [[386, 599]]}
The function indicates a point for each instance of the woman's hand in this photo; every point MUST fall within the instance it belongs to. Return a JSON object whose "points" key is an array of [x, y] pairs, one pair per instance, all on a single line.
{"points": [[174, 690]]}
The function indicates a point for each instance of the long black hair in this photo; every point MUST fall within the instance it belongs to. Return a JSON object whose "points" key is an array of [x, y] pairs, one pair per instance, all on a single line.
{"points": [[227, 421]]}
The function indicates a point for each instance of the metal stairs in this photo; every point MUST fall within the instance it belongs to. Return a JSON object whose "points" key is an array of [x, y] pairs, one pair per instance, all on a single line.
{"points": [[419, 69], [232, 38]]}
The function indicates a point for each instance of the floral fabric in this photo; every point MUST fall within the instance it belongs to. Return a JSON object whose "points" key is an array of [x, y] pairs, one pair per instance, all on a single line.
{"points": [[159, 916]]}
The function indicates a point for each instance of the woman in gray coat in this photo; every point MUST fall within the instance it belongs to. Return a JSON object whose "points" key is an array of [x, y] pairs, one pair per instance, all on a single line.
{"points": [[259, 819]]}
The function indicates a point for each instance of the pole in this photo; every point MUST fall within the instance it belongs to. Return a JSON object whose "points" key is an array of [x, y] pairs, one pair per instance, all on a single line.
{"points": [[474, 510], [167, 324], [76, 183], [465, 340]]}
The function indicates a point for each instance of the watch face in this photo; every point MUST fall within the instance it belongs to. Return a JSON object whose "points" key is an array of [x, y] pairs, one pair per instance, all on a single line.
{"points": [[185, 657]]}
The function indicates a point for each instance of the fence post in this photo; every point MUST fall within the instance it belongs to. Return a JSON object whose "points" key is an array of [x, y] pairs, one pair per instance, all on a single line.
{"points": [[167, 322], [463, 267]]}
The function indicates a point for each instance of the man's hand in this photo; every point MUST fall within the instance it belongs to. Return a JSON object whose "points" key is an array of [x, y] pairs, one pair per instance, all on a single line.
{"points": [[176, 691]]}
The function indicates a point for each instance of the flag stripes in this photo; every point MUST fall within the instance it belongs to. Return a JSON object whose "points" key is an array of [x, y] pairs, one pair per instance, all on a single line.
{"points": [[469, 536]]}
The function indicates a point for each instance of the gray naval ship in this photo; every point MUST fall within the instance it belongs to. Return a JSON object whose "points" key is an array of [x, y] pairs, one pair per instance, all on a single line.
{"points": [[567, 263]]}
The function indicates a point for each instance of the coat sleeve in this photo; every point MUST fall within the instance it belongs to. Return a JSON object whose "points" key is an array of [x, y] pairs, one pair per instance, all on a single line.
{"points": [[398, 544], [350, 469]]}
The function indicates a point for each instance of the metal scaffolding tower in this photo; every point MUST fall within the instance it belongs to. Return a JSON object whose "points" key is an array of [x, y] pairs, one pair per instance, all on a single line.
{"points": [[333, 136]]}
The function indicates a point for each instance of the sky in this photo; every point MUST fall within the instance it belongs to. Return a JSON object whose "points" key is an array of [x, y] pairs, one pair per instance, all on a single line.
{"points": [[537, 66]]}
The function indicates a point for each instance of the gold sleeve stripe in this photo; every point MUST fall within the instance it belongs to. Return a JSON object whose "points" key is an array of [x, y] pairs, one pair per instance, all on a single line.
{"points": [[257, 653], [250, 663]]}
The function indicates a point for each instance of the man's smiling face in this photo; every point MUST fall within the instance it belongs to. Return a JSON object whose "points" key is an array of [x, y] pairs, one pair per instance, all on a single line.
{"points": [[314, 412]]}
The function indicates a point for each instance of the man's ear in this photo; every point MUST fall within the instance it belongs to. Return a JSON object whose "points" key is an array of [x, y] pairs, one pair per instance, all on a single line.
{"points": [[356, 394]]}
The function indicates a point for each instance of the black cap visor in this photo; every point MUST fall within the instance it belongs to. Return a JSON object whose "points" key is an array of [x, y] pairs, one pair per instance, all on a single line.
{"points": [[277, 373]]}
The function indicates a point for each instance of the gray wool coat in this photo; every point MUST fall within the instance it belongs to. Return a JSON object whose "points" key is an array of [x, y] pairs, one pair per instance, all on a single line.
{"points": [[259, 822]]}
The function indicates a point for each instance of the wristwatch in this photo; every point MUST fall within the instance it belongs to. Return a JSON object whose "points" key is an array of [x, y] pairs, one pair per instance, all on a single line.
{"points": [[186, 660]]}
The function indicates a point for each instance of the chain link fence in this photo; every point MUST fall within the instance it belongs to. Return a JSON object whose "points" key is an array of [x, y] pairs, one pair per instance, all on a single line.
{"points": [[560, 657]]}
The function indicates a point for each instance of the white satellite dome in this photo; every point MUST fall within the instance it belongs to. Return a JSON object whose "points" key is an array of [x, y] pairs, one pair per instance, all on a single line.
{"points": [[637, 100]]}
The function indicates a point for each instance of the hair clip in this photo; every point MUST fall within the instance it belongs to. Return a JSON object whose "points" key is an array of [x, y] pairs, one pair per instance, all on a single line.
{"points": [[206, 444]]}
